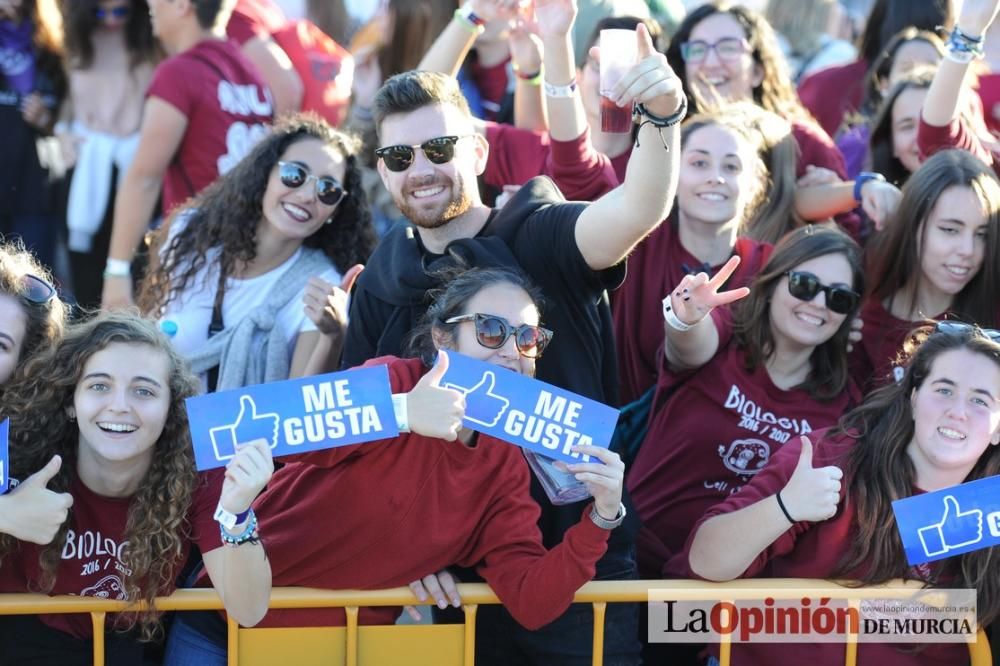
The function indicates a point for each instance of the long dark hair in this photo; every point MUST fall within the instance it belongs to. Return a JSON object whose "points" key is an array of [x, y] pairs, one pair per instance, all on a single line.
{"points": [[887, 17], [877, 77], [458, 286], [775, 92], [881, 148], [41, 427], [752, 322], [81, 22], [879, 471], [225, 215], [893, 255]]}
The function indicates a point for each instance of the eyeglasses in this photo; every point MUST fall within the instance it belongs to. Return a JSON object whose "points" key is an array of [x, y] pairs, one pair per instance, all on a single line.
{"points": [[37, 290], [727, 49], [118, 12], [804, 286], [492, 332], [439, 150], [328, 189], [960, 327]]}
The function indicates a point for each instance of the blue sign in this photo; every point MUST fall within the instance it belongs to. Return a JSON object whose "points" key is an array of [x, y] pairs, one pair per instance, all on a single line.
{"points": [[527, 412], [4, 456], [295, 416], [950, 521]]}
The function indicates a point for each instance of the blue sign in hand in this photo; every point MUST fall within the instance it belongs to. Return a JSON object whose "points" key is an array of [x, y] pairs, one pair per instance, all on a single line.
{"points": [[4, 456], [950, 521], [294, 416], [528, 412]]}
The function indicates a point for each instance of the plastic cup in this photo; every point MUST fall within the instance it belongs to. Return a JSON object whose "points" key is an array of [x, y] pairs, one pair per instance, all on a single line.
{"points": [[619, 52]]}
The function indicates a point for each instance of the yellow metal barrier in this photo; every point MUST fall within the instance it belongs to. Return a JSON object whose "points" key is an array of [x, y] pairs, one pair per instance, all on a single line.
{"points": [[438, 644]]}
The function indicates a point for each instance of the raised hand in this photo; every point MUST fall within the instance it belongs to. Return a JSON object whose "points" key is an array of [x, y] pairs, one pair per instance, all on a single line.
{"points": [[489, 10], [555, 18], [976, 16], [650, 82], [246, 475], [326, 305], [697, 295], [603, 479], [525, 43], [812, 493], [31, 512], [431, 409]]}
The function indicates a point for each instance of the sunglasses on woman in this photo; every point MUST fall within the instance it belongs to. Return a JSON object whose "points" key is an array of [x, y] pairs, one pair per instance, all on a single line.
{"points": [[37, 290], [804, 286], [328, 189], [119, 12], [960, 327], [492, 332], [439, 150]]}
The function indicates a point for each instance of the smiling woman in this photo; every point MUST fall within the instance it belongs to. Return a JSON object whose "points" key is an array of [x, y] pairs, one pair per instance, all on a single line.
{"points": [[220, 276], [97, 423]]}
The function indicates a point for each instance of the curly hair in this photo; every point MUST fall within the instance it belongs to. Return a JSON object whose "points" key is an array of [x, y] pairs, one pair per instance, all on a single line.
{"points": [[157, 528], [43, 321], [81, 21], [878, 471], [221, 215], [775, 92]]}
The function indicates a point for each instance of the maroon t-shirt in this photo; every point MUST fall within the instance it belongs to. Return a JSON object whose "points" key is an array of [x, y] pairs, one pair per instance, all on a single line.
{"points": [[832, 93], [812, 550], [956, 134], [989, 94], [227, 106], [92, 563], [712, 430], [655, 267], [873, 361], [254, 18]]}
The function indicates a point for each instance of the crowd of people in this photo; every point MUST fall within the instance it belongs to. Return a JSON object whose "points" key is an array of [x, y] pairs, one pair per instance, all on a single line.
{"points": [[784, 273]]}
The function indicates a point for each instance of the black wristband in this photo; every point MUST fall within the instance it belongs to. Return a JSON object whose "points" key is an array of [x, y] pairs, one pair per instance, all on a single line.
{"points": [[661, 122], [781, 505]]}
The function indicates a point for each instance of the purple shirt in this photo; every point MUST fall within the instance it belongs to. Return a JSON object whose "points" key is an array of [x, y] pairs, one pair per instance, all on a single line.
{"points": [[17, 59]]}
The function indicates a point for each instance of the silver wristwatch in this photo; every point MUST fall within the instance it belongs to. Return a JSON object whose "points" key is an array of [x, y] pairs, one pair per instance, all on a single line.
{"points": [[604, 523]]}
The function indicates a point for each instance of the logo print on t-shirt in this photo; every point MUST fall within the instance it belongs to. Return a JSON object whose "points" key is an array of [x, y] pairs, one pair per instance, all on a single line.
{"points": [[240, 139], [109, 587], [745, 456]]}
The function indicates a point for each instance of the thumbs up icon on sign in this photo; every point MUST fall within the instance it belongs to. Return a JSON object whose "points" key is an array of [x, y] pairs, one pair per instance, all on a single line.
{"points": [[482, 405], [956, 529], [249, 426]]}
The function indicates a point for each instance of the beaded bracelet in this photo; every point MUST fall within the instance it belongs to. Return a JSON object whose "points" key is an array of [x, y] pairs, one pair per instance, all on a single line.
{"points": [[658, 122], [963, 48], [531, 79], [248, 535]]}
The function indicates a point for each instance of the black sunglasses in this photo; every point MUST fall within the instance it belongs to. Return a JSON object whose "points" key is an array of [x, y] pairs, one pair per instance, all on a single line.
{"points": [[119, 12], [328, 189], [439, 150], [492, 332], [960, 327], [804, 286], [37, 290]]}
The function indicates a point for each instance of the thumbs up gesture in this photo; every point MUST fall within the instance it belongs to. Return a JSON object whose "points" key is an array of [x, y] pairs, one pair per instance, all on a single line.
{"points": [[650, 82], [326, 304], [31, 512], [433, 410], [956, 529], [812, 493], [246, 475]]}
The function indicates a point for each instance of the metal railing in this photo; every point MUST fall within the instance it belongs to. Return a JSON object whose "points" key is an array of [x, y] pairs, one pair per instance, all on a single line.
{"points": [[597, 593]]}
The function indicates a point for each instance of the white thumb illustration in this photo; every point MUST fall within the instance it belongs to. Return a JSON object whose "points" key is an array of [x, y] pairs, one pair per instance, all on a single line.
{"points": [[482, 405], [956, 529], [249, 424]]}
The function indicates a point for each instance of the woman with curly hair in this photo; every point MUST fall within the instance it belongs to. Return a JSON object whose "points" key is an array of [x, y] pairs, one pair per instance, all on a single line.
{"points": [[32, 87], [238, 263], [109, 502], [31, 314], [822, 507], [110, 54]]}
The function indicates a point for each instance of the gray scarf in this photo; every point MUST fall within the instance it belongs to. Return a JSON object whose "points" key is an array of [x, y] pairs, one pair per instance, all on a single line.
{"points": [[254, 350]]}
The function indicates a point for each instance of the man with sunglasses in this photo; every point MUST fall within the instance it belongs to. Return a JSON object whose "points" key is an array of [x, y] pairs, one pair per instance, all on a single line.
{"points": [[206, 107], [429, 159]]}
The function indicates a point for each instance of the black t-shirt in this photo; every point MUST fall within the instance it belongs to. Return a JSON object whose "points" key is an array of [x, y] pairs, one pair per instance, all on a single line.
{"points": [[535, 231]]}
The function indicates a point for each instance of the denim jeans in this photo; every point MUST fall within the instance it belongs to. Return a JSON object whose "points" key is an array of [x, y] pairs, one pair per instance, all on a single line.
{"points": [[194, 640]]}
